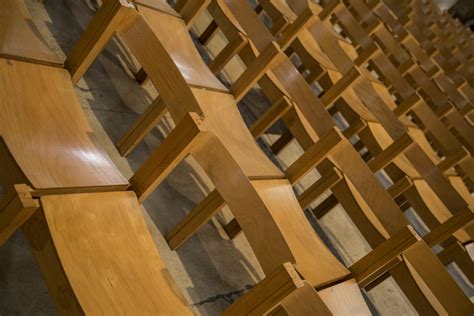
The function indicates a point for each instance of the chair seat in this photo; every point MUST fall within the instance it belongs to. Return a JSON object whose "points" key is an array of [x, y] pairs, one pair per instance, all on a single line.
{"points": [[46, 131], [17, 38], [108, 255]]}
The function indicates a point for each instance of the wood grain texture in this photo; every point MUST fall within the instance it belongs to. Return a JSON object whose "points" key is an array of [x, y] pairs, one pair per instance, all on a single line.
{"points": [[18, 36], [97, 34], [167, 29], [378, 261], [347, 292], [278, 285], [46, 131], [16, 207], [125, 273]]}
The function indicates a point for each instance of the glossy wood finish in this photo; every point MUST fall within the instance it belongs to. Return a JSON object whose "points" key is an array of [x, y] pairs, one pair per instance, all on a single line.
{"points": [[47, 142], [95, 38], [18, 39], [47, 133], [116, 252], [209, 128]]}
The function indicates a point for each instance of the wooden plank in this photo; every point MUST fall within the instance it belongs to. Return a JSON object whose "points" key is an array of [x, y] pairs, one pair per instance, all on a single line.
{"points": [[227, 53], [440, 289], [303, 301], [272, 54], [326, 182], [390, 153], [304, 20], [97, 34], [166, 157], [64, 155], [449, 227], [116, 252], [271, 116], [194, 220], [18, 37], [313, 155], [142, 126]]}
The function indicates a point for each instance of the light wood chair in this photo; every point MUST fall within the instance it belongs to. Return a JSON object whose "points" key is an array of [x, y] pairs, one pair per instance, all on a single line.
{"points": [[241, 9], [424, 111], [365, 116], [70, 205], [418, 78], [209, 127]]}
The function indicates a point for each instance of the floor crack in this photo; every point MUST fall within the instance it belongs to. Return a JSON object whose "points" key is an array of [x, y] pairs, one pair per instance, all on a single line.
{"points": [[227, 296]]}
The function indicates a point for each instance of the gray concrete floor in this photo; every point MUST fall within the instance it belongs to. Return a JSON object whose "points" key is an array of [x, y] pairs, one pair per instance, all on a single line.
{"points": [[210, 270]]}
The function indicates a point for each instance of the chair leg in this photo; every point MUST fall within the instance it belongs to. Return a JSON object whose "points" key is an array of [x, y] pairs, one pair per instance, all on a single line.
{"points": [[99, 31], [167, 156], [229, 51], [193, 221], [409, 287], [455, 252], [16, 207], [383, 257], [256, 69], [37, 234], [273, 114], [145, 123], [437, 285]]}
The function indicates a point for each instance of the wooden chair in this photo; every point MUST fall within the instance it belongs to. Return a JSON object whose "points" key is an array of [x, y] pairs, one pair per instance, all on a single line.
{"points": [[241, 10], [429, 119], [332, 52], [425, 36], [390, 75], [70, 189], [431, 92], [210, 129]]}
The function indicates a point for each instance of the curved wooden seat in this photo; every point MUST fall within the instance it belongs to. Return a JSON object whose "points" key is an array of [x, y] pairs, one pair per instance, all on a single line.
{"points": [[175, 38], [17, 36], [382, 92], [47, 133], [108, 256], [311, 110], [41, 121]]}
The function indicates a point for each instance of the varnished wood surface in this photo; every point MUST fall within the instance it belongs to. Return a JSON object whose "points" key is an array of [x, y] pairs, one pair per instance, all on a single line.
{"points": [[18, 39], [169, 29], [444, 294], [333, 296], [46, 131], [108, 255]]}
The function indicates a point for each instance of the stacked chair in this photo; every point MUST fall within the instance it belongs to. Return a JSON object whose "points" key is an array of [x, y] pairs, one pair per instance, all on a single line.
{"points": [[378, 96]]}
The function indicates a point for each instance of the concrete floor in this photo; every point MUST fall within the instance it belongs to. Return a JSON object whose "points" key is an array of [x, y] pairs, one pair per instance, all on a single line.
{"points": [[210, 270]]}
